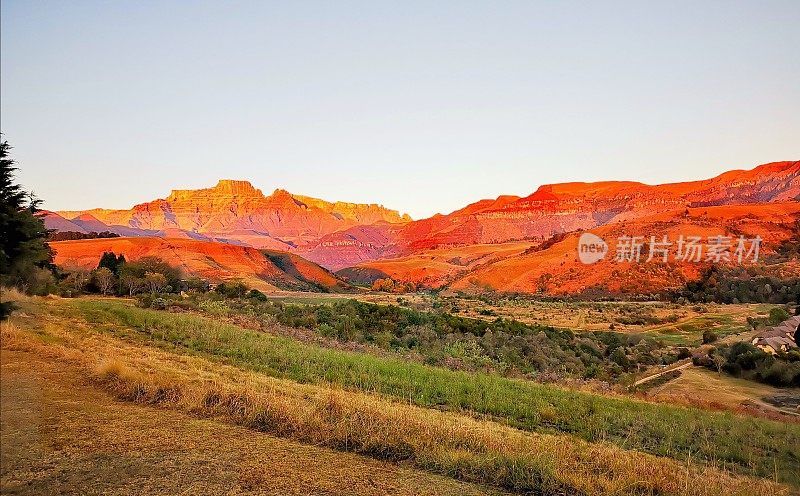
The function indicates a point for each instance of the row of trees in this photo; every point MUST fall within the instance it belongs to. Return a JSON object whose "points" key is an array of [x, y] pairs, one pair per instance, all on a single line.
{"points": [[115, 275], [74, 235], [389, 285], [740, 285]]}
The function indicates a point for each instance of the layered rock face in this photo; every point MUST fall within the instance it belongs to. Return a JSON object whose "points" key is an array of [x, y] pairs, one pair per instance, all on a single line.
{"points": [[557, 208], [554, 268], [354, 245], [236, 212]]}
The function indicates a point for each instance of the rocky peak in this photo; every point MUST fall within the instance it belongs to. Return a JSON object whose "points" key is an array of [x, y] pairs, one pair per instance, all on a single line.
{"points": [[225, 188], [236, 188]]}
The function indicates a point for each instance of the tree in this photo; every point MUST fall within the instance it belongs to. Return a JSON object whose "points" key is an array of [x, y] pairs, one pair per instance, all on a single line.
{"points": [[75, 283], [155, 281], [131, 283], [155, 264], [104, 279], [111, 262], [25, 257], [719, 361], [231, 289], [386, 285], [709, 336]]}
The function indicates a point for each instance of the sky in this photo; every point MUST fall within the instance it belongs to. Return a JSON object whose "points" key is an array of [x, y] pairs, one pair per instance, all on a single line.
{"points": [[423, 107]]}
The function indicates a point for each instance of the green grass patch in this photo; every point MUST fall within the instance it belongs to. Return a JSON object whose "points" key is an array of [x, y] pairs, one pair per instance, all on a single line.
{"points": [[691, 331]]}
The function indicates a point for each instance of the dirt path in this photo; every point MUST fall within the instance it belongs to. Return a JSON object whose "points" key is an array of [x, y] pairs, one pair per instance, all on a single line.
{"points": [[678, 366], [59, 435]]}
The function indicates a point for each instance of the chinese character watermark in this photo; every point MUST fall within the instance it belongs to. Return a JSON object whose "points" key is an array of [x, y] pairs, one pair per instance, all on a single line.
{"points": [[715, 249]]}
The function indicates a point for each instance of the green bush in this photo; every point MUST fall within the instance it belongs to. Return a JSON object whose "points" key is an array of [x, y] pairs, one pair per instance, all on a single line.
{"points": [[506, 346], [144, 300], [777, 315], [158, 304], [257, 295], [231, 289]]}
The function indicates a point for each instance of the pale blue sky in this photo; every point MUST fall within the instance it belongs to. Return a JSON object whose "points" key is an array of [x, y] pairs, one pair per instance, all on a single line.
{"points": [[421, 106]]}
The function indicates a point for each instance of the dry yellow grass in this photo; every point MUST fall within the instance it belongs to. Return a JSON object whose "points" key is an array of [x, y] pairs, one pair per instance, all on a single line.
{"points": [[60, 435], [728, 392], [447, 443]]}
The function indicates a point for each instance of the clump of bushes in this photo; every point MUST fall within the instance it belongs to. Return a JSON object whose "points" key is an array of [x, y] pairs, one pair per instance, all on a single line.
{"points": [[747, 361], [256, 295], [750, 284]]}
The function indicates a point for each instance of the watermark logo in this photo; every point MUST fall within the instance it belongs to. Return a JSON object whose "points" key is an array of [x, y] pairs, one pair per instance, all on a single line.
{"points": [[591, 248]]}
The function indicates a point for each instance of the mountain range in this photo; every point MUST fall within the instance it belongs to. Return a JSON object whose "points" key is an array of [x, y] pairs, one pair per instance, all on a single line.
{"points": [[368, 240]]}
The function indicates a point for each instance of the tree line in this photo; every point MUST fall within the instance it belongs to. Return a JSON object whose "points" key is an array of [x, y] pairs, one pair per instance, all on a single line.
{"points": [[115, 275]]}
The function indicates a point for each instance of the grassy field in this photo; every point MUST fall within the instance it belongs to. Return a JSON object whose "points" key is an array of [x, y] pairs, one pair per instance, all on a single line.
{"points": [[117, 358], [747, 445], [698, 382]]}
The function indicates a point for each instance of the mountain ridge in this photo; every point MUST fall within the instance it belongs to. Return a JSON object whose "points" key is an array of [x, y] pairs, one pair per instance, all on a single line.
{"points": [[341, 234]]}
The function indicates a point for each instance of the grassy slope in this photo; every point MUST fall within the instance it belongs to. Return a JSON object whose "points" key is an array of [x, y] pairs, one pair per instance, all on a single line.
{"points": [[323, 415], [723, 388], [744, 444], [85, 442]]}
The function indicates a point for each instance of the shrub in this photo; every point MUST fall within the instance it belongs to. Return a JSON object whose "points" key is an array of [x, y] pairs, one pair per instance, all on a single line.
{"points": [[144, 301], [231, 289], [158, 304], [709, 336], [777, 315], [214, 307], [257, 295]]}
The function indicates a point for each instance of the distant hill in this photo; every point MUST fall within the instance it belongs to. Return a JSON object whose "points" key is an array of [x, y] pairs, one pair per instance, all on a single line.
{"points": [[262, 269]]}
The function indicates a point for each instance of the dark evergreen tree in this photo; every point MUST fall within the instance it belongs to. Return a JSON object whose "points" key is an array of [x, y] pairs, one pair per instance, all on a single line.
{"points": [[24, 253], [111, 262]]}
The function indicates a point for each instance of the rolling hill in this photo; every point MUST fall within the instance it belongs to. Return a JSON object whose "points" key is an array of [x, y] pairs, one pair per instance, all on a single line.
{"points": [[267, 270]]}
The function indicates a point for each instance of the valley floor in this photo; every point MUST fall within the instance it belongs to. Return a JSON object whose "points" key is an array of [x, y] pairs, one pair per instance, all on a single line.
{"points": [[61, 435]]}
